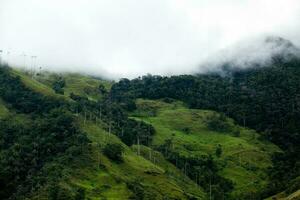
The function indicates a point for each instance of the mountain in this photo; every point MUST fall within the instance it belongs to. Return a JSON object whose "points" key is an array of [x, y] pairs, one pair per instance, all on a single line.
{"points": [[204, 136], [82, 168]]}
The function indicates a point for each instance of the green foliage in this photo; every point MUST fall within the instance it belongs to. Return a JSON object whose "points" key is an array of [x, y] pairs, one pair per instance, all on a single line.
{"points": [[219, 150], [57, 192], [218, 122], [172, 183], [27, 148], [58, 85], [102, 89], [136, 187], [62, 157], [236, 132], [80, 194], [204, 168], [14, 92], [247, 174], [114, 151], [114, 116], [48, 134], [265, 99]]}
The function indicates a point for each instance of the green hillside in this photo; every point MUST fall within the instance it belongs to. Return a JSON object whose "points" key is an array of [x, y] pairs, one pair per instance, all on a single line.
{"points": [[155, 180], [79, 84], [92, 171], [84, 85], [78, 142], [102, 178], [34, 84], [244, 158], [262, 97]]}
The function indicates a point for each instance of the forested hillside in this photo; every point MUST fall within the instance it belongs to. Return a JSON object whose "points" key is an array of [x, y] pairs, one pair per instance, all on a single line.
{"points": [[265, 98], [228, 161], [72, 136], [56, 146]]}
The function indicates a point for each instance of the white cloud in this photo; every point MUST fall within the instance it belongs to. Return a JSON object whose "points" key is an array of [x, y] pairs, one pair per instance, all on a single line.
{"points": [[134, 37]]}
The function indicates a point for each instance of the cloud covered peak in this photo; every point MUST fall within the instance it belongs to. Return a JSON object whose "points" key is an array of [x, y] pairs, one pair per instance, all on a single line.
{"points": [[255, 52]]}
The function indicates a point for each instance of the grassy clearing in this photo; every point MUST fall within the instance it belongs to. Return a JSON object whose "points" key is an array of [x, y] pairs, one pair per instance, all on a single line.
{"points": [[84, 85], [35, 85], [78, 84], [244, 158]]}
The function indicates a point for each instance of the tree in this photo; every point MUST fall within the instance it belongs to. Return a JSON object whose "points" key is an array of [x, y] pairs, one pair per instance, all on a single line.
{"points": [[114, 151], [58, 85], [218, 122], [102, 89], [219, 150], [80, 194]]}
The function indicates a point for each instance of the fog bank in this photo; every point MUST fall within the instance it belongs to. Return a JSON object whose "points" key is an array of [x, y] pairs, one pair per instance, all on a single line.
{"points": [[128, 38]]}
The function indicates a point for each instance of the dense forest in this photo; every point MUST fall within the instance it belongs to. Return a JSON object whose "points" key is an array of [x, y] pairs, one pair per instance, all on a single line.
{"points": [[36, 145]]}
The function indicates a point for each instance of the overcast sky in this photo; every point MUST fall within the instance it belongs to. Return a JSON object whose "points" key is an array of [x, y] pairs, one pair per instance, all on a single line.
{"points": [[127, 38]]}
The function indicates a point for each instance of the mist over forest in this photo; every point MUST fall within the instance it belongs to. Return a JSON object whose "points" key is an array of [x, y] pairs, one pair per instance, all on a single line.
{"points": [[132, 38]]}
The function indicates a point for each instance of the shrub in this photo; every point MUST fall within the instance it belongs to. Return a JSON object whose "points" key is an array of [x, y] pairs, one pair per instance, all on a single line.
{"points": [[218, 123], [236, 133], [219, 150], [114, 151]]}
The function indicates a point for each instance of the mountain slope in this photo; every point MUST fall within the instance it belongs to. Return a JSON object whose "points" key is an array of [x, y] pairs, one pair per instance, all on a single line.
{"points": [[83, 171], [78, 84], [244, 159], [75, 137], [264, 98]]}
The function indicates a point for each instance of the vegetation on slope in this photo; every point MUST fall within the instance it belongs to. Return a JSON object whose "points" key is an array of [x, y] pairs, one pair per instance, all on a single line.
{"points": [[3, 110], [168, 141], [33, 84], [133, 178], [43, 136], [188, 133], [78, 84], [51, 150], [265, 98]]}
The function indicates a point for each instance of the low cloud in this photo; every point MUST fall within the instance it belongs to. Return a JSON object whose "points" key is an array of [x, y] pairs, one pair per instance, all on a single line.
{"points": [[128, 38], [258, 51]]}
